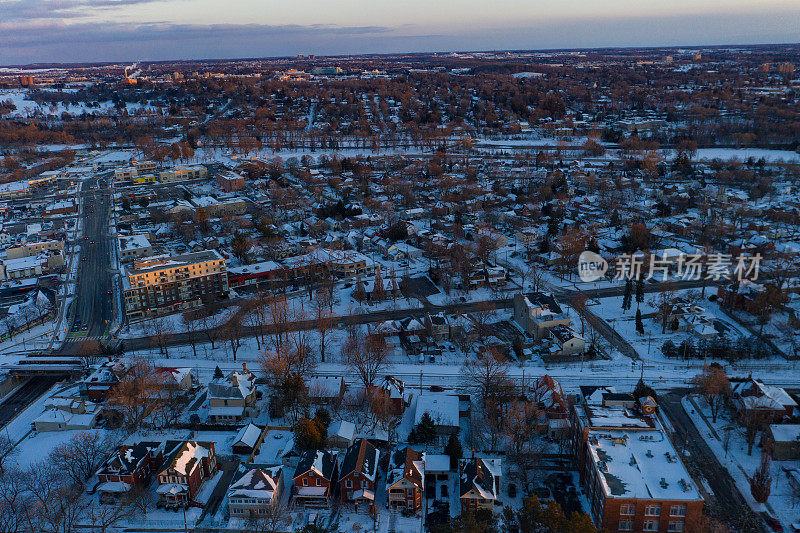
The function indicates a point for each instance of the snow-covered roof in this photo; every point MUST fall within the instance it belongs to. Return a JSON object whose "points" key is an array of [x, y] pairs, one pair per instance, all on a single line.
{"points": [[639, 464], [442, 407]]}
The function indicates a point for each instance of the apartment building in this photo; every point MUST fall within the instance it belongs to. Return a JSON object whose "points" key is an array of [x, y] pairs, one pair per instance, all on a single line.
{"points": [[136, 169], [230, 181], [168, 283], [633, 477]]}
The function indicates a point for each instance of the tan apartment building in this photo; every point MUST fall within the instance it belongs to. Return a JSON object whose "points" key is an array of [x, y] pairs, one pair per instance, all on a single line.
{"points": [[169, 283]]}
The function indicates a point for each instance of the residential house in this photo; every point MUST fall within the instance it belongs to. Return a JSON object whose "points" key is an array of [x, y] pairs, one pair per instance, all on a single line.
{"points": [[254, 490], [768, 402], [479, 483], [358, 474], [314, 478], [233, 397], [536, 313], [187, 465], [405, 480], [128, 467], [341, 434], [783, 441], [443, 409], [247, 439]]}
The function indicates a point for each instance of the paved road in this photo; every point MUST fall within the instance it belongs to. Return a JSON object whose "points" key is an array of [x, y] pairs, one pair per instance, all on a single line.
{"points": [[23, 396], [93, 305], [727, 503]]}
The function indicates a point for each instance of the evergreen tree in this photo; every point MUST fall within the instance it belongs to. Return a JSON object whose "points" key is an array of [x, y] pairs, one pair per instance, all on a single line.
{"points": [[426, 429], [358, 292], [454, 450], [639, 290], [626, 297], [218, 373], [378, 291]]}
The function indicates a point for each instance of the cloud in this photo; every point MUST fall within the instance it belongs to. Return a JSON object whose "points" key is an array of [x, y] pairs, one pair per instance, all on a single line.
{"points": [[45, 41], [69, 40], [36, 10]]}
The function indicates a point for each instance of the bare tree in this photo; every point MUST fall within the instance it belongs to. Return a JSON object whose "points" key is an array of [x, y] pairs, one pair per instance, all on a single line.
{"points": [[365, 355], [520, 424], [160, 331], [53, 505], [103, 517], [133, 395], [191, 325], [232, 332], [487, 376], [324, 320], [13, 502], [664, 302], [481, 320], [761, 482], [272, 520], [713, 384], [752, 422], [81, 456], [89, 353], [279, 317], [7, 451]]}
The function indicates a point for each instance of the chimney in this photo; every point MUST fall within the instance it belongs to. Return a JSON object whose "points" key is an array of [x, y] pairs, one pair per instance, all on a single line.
{"points": [[473, 452]]}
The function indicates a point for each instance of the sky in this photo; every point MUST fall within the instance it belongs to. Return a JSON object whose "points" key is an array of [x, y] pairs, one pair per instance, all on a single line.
{"points": [[46, 31]]}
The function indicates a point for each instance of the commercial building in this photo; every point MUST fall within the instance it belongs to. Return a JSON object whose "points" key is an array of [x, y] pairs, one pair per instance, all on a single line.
{"points": [[169, 283], [182, 174], [134, 247]]}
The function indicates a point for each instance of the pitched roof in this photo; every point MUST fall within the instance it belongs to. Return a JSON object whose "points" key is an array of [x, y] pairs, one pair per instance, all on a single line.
{"points": [[361, 457], [255, 481], [320, 461], [406, 464], [478, 474]]}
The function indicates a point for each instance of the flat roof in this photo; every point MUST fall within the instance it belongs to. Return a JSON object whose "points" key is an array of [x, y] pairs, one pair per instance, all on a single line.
{"points": [[640, 464]]}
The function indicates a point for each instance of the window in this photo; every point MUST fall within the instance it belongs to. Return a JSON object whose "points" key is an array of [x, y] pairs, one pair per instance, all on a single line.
{"points": [[305, 482], [675, 525], [318, 483], [627, 509], [677, 510], [626, 525], [650, 525], [652, 510], [348, 484]]}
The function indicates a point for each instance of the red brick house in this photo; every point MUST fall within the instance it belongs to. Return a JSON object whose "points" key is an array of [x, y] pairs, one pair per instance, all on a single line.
{"points": [[358, 474], [314, 478], [405, 481], [130, 466], [188, 464]]}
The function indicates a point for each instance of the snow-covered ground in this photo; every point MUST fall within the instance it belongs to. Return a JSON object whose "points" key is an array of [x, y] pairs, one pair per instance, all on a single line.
{"points": [[741, 466]]}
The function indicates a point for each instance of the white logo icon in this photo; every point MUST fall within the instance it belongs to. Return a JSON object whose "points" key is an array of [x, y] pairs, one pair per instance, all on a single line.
{"points": [[591, 266]]}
